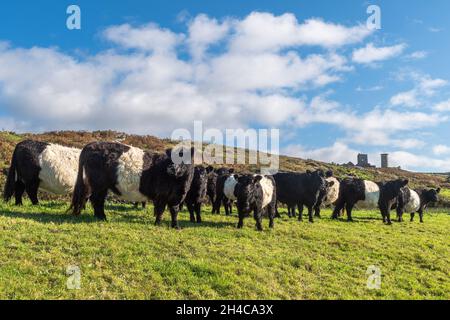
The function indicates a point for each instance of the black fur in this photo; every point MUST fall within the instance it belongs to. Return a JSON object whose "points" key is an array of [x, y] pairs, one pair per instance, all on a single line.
{"points": [[300, 189], [197, 194], [211, 186], [389, 192], [162, 181], [23, 174], [249, 194]]}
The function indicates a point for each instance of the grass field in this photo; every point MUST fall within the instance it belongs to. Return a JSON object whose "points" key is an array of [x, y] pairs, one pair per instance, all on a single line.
{"points": [[129, 258]]}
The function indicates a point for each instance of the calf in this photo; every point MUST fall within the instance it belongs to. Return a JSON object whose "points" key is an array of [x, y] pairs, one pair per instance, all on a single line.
{"points": [[197, 193], [255, 193], [226, 183], [368, 195], [134, 175], [413, 201], [299, 189], [39, 165]]}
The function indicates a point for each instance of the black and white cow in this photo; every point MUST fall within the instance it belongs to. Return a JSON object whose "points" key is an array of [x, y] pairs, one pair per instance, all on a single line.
{"points": [[197, 193], [413, 201], [300, 189], [329, 195], [366, 194], [257, 194], [134, 175], [42, 166], [226, 182]]}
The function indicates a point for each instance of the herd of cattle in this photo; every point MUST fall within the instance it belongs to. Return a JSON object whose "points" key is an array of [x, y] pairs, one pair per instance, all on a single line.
{"points": [[139, 176]]}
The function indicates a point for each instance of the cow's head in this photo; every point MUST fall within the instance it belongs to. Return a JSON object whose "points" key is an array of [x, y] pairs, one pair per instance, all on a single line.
{"points": [[392, 188], [200, 175], [431, 195], [180, 161], [245, 191]]}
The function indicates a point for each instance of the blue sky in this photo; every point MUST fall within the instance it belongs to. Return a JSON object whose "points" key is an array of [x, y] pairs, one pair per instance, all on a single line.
{"points": [[310, 68]]}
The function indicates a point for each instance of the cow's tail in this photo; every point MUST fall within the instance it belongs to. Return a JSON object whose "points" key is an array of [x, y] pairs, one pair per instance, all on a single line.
{"points": [[10, 185], [80, 192]]}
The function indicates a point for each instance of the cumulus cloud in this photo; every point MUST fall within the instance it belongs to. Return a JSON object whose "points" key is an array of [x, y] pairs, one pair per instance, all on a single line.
{"points": [[370, 53], [443, 106], [441, 149], [425, 87], [337, 153]]}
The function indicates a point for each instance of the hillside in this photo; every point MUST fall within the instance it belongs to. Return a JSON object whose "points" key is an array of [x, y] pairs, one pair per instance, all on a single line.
{"points": [[8, 140]]}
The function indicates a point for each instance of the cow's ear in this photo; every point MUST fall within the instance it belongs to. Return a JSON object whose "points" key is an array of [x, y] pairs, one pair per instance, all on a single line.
{"points": [[236, 176], [209, 169], [169, 152], [257, 178], [329, 173], [231, 171], [438, 190], [405, 182]]}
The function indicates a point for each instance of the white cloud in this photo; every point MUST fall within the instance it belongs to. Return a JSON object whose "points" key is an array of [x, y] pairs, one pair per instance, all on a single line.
{"points": [[337, 153], [407, 98], [411, 161], [370, 53], [261, 32], [149, 37], [417, 55], [425, 87], [443, 106], [441, 149]]}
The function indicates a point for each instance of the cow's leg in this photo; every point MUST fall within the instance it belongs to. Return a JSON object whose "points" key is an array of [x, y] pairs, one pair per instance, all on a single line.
{"points": [[18, 193], [340, 204], [277, 213], [98, 202], [159, 207], [174, 215], [421, 215], [310, 214], [230, 204], [226, 206], [198, 211], [271, 212], [190, 207], [32, 191], [317, 208], [300, 211], [399, 214], [241, 220], [258, 217], [412, 216], [144, 205], [349, 209]]}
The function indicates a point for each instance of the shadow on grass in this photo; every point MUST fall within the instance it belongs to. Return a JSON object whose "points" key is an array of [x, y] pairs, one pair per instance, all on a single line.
{"points": [[45, 217]]}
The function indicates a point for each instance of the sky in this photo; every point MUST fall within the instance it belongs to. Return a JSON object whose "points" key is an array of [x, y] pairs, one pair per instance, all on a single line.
{"points": [[312, 69]]}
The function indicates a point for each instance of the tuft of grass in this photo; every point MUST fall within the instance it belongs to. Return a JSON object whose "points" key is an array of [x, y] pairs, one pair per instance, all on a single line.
{"points": [[130, 258]]}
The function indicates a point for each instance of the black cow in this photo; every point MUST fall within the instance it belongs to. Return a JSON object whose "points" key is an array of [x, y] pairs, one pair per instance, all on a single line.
{"points": [[225, 184], [413, 201], [197, 193], [256, 193], [39, 165], [211, 186], [134, 175], [369, 195], [300, 189]]}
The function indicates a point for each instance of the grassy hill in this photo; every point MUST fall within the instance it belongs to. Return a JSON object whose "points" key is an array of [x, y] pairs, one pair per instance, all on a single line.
{"points": [[129, 258], [8, 140]]}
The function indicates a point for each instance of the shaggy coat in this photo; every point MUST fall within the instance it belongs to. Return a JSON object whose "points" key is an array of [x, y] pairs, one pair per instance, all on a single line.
{"points": [[224, 191], [42, 166], [133, 175], [197, 194], [257, 194], [413, 201], [366, 194], [211, 186], [300, 189]]}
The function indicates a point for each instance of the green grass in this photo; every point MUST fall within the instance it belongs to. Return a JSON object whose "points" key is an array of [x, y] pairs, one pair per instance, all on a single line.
{"points": [[129, 258]]}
